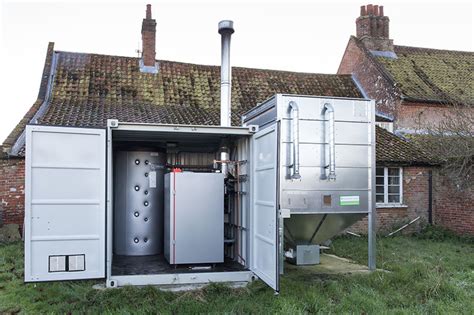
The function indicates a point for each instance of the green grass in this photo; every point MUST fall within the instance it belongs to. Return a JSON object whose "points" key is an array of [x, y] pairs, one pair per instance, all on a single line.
{"points": [[427, 276]]}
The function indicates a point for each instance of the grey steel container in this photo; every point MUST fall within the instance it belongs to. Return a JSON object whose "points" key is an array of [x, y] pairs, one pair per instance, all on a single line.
{"points": [[327, 162], [138, 202]]}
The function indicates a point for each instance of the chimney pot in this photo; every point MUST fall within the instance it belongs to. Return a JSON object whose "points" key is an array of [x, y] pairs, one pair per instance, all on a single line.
{"points": [[370, 9], [372, 28]]}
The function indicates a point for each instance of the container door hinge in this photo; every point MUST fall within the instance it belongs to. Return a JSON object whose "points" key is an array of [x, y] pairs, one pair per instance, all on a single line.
{"points": [[285, 213]]}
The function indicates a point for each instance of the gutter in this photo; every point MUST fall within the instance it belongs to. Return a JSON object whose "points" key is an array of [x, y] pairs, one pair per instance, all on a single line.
{"points": [[366, 96], [20, 142], [430, 101], [359, 86]]}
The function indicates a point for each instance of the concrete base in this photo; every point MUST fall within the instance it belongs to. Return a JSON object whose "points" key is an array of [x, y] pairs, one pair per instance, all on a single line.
{"points": [[179, 288], [330, 264], [10, 233]]}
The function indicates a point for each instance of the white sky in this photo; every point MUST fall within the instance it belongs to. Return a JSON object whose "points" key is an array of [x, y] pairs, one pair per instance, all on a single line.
{"points": [[301, 35]]}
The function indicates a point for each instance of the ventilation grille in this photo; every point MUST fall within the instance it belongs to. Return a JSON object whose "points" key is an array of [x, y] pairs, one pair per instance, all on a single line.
{"points": [[67, 263]]}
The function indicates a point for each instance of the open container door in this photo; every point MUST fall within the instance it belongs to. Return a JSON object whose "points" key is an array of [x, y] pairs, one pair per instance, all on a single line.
{"points": [[64, 203], [264, 212]]}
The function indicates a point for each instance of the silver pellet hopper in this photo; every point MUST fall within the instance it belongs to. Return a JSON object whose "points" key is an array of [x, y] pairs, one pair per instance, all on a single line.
{"points": [[326, 165]]}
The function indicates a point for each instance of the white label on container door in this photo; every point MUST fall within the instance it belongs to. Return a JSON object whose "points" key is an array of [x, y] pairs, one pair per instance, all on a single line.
{"points": [[152, 179]]}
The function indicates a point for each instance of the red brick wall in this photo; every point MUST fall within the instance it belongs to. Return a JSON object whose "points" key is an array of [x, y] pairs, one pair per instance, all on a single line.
{"points": [[12, 190], [415, 201], [375, 85], [416, 115], [454, 208]]}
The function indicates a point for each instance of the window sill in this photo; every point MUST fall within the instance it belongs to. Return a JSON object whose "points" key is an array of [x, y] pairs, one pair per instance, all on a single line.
{"points": [[390, 205]]}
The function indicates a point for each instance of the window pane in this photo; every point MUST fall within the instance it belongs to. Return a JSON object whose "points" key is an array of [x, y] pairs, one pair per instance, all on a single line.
{"points": [[393, 189], [394, 180], [379, 189], [393, 198], [379, 171], [379, 198], [393, 171], [379, 180]]}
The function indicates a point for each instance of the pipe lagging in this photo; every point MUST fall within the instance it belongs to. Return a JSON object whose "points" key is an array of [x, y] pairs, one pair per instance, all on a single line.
{"points": [[295, 116], [329, 111]]}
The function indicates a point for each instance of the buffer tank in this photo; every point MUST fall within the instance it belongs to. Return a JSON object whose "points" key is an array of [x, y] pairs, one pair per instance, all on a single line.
{"points": [[138, 202], [327, 162]]}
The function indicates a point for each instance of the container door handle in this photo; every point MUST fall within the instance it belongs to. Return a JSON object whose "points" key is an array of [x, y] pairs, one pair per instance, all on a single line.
{"points": [[295, 134], [330, 137]]}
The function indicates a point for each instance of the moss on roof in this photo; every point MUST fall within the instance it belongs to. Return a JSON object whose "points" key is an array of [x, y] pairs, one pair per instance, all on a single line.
{"points": [[432, 75], [392, 149], [89, 89]]}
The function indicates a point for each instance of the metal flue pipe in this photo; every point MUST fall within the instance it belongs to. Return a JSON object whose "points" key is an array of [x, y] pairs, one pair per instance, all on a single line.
{"points": [[226, 29]]}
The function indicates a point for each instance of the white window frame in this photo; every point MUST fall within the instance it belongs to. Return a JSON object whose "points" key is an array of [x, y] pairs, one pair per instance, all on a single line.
{"points": [[386, 203]]}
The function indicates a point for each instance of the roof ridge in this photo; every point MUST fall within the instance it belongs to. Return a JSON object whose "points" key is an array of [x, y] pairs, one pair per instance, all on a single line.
{"points": [[208, 65], [434, 49]]}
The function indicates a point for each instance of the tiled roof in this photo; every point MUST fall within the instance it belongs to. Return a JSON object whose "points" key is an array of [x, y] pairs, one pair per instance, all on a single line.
{"points": [[431, 75], [89, 89], [392, 149]]}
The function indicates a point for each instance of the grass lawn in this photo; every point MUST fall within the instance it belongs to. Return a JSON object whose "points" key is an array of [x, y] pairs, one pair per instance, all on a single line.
{"points": [[427, 276]]}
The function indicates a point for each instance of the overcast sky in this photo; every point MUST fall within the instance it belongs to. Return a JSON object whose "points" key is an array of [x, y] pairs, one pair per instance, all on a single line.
{"points": [[306, 35]]}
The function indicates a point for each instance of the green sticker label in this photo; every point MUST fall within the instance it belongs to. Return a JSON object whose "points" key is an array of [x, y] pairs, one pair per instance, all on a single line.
{"points": [[349, 201]]}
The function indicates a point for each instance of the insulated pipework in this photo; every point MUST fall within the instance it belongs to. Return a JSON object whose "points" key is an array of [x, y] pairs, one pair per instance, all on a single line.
{"points": [[224, 156], [294, 111], [226, 29], [329, 111]]}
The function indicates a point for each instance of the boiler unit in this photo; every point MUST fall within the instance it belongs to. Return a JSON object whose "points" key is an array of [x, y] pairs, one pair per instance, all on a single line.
{"points": [[138, 199], [194, 218]]}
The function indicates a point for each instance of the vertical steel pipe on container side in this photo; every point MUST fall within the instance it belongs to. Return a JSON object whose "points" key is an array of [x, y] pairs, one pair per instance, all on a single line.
{"points": [[294, 111], [329, 110]]}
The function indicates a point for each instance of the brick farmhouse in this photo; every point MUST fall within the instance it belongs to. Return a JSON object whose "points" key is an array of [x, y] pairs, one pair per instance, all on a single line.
{"points": [[414, 87], [85, 89]]}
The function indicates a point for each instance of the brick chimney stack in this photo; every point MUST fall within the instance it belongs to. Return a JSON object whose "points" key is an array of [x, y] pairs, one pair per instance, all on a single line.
{"points": [[372, 28], [148, 39]]}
